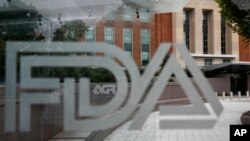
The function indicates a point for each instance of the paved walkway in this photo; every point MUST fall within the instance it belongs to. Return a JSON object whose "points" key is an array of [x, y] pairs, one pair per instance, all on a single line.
{"points": [[151, 132]]}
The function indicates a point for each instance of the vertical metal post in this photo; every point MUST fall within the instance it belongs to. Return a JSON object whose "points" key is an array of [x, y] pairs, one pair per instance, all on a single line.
{"points": [[231, 95], [223, 95], [247, 93]]}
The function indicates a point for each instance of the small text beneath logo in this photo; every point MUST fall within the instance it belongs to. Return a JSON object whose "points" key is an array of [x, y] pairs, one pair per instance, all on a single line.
{"points": [[104, 89]]}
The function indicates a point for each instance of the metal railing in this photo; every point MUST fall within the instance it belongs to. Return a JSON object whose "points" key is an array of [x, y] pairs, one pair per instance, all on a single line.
{"points": [[233, 96]]}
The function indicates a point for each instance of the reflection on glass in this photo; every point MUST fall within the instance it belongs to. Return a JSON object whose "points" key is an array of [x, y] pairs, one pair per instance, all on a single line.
{"points": [[186, 27], [205, 31], [90, 34], [127, 40], [223, 36], [109, 37], [145, 45]]}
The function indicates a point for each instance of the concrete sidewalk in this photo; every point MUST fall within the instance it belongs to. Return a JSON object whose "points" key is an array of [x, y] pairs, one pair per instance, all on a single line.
{"points": [[151, 132]]}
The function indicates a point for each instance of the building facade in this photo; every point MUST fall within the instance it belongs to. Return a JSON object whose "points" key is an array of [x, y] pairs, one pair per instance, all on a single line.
{"points": [[244, 52], [138, 36], [206, 33], [199, 26]]}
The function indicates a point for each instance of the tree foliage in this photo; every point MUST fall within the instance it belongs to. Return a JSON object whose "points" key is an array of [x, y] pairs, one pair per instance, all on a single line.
{"points": [[238, 19], [18, 22], [70, 31]]}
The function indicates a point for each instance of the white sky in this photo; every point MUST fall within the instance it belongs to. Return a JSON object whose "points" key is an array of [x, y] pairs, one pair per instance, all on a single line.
{"points": [[55, 4], [73, 9], [80, 8]]}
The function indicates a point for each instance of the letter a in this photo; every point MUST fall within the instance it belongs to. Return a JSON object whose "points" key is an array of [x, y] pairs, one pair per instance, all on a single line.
{"points": [[237, 132]]}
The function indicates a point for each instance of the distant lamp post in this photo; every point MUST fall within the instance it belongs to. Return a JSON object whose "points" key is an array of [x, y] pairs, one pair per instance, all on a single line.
{"points": [[60, 19], [40, 20], [137, 14]]}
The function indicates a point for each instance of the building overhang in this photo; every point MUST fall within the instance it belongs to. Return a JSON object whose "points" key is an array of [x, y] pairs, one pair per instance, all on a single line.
{"points": [[228, 68]]}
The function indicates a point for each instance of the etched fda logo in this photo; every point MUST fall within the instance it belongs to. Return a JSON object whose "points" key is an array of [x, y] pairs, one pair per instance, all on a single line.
{"points": [[131, 93]]}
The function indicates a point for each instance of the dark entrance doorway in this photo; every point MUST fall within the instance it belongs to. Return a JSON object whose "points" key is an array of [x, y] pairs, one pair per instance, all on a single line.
{"points": [[239, 83], [238, 72]]}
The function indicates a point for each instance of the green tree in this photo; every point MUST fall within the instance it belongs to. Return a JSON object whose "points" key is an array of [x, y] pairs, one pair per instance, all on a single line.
{"points": [[18, 22], [238, 18], [70, 31]]}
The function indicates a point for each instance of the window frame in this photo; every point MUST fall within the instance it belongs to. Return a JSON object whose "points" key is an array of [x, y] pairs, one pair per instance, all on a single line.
{"points": [[205, 31], [105, 33], [129, 12], [131, 29], [189, 25], [223, 36], [208, 61], [94, 34], [141, 46], [143, 13]]}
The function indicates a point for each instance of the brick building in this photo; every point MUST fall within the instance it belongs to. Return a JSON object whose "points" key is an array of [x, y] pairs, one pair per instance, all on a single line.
{"points": [[140, 37], [244, 51], [199, 25]]}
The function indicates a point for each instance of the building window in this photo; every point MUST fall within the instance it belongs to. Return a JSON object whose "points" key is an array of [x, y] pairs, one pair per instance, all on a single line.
{"points": [[208, 61], [145, 45], [226, 60], [109, 35], [186, 27], [127, 14], [127, 40], [144, 15], [109, 38], [223, 36], [205, 31], [90, 34]]}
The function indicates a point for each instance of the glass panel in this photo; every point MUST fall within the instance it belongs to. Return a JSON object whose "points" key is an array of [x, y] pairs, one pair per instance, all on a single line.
{"points": [[226, 60], [145, 45], [208, 62], [145, 36], [223, 36], [186, 27], [109, 35], [114, 70], [144, 15], [90, 34], [127, 13], [127, 36], [127, 40], [205, 31], [110, 13]]}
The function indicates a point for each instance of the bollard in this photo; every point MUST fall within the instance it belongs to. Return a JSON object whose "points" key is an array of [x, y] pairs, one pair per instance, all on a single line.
{"points": [[223, 95], [216, 94], [239, 94], [247, 94], [231, 95]]}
